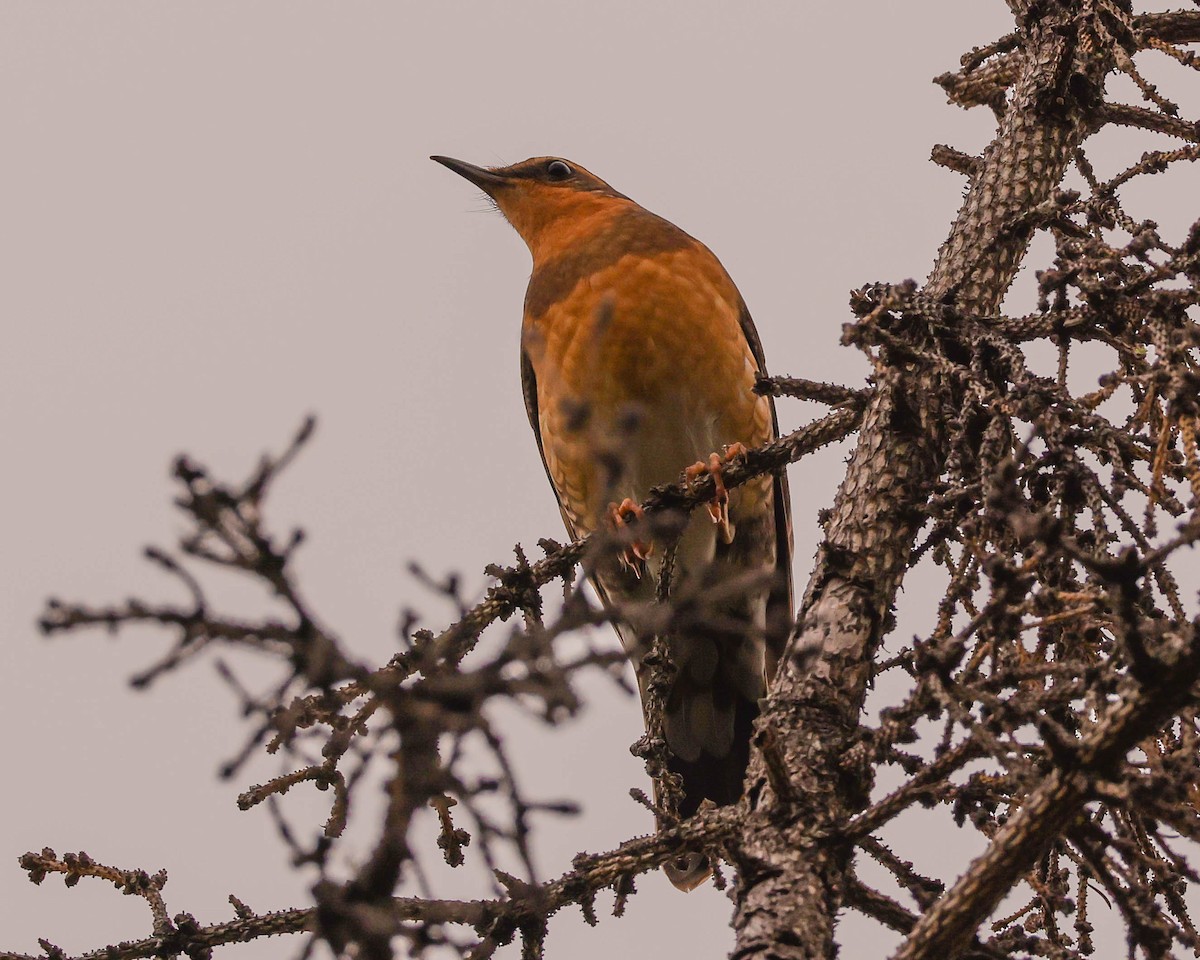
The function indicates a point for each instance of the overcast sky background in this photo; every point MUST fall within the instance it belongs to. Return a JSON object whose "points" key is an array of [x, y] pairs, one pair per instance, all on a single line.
{"points": [[216, 218]]}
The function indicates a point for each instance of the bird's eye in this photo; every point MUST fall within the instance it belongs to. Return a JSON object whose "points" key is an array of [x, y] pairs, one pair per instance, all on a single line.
{"points": [[558, 170]]}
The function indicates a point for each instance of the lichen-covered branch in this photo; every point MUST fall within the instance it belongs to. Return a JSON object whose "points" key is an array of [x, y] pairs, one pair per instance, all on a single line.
{"points": [[950, 386]]}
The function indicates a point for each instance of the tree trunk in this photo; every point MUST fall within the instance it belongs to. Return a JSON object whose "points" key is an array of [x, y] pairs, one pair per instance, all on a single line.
{"points": [[791, 878]]}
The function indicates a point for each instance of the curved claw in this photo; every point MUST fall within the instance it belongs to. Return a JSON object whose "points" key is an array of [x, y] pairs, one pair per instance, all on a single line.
{"points": [[718, 506], [636, 552]]}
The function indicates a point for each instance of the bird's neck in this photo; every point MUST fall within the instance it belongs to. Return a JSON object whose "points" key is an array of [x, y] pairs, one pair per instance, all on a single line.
{"points": [[564, 223]]}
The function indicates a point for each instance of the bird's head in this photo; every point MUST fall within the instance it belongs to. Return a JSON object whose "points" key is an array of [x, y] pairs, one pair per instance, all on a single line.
{"points": [[550, 201]]}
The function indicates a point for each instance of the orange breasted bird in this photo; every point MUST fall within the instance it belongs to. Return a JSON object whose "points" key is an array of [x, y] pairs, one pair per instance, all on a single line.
{"points": [[638, 358]]}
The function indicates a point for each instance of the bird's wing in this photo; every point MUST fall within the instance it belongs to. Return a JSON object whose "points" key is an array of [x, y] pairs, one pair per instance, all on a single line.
{"points": [[529, 389], [781, 600]]}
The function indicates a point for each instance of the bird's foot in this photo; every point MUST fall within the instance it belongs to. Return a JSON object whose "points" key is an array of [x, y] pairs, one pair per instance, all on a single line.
{"points": [[718, 506], [636, 552]]}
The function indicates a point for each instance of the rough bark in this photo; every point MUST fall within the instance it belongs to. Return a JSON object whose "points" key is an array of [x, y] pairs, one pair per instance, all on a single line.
{"points": [[790, 875]]}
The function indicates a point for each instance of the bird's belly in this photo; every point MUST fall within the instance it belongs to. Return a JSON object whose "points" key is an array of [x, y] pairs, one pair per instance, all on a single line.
{"points": [[640, 373]]}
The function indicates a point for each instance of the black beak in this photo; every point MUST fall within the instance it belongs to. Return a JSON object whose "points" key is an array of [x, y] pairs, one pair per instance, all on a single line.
{"points": [[484, 179]]}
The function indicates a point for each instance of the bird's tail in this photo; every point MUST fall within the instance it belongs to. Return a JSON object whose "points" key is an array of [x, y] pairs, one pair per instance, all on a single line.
{"points": [[709, 722], [708, 731]]}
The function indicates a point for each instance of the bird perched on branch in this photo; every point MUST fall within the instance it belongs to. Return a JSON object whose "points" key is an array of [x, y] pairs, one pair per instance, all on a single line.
{"points": [[638, 358]]}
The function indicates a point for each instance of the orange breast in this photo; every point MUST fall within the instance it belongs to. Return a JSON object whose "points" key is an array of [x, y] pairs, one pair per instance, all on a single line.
{"points": [[642, 368]]}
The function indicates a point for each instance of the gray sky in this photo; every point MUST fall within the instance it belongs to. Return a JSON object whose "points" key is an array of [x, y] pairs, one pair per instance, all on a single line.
{"points": [[216, 218]]}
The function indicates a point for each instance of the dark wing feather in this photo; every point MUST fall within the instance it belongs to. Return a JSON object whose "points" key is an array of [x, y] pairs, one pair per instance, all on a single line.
{"points": [[529, 389], [781, 600]]}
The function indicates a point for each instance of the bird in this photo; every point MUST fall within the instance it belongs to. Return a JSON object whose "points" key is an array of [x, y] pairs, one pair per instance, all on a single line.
{"points": [[638, 363]]}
